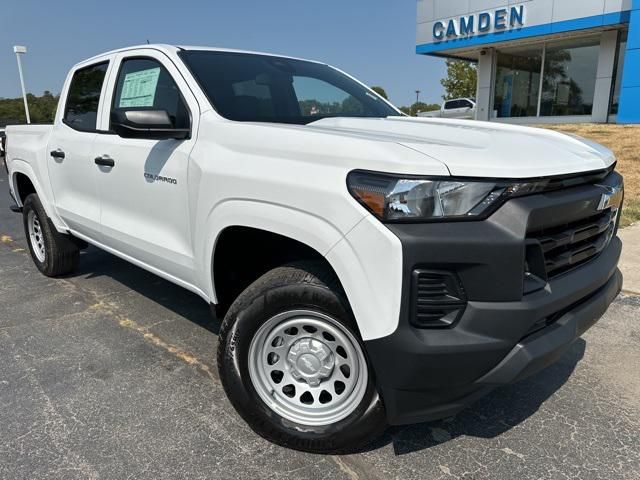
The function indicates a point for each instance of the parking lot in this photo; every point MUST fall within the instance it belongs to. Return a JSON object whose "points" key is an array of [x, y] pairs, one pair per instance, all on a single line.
{"points": [[110, 373]]}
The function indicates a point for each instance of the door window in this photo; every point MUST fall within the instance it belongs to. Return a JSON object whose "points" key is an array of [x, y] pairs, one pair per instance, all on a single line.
{"points": [[143, 83], [81, 109]]}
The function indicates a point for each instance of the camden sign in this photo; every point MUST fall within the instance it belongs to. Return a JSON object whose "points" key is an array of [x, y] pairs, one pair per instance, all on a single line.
{"points": [[499, 20]]}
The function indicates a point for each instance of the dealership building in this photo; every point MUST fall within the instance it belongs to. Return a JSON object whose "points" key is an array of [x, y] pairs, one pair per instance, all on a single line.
{"points": [[542, 61]]}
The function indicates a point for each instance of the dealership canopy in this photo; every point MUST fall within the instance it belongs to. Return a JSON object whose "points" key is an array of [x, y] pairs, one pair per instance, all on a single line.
{"points": [[542, 61]]}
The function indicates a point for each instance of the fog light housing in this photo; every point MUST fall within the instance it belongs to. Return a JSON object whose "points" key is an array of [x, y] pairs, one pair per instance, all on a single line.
{"points": [[438, 299]]}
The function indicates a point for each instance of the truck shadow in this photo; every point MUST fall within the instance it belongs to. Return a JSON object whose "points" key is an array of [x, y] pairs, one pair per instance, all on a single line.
{"points": [[491, 416], [97, 263]]}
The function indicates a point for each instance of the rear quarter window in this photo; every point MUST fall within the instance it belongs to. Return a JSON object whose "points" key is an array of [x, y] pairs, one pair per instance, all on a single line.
{"points": [[81, 109]]}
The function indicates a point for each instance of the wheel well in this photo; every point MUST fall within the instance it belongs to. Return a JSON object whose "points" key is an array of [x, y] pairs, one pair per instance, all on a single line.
{"points": [[23, 186], [243, 254]]}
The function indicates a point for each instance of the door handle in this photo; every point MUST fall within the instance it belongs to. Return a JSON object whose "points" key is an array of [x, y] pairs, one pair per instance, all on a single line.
{"points": [[105, 161], [57, 154]]}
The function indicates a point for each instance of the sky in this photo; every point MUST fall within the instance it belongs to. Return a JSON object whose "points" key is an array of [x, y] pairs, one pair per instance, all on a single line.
{"points": [[374, 40]]}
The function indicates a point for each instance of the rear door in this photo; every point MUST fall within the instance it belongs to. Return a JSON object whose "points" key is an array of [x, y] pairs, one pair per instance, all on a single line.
{"points": [[72, 171], [144, 195], [451, 109]]}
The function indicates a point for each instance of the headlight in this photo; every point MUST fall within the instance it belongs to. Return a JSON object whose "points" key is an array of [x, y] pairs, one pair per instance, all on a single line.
{"points": [[393, 198]]}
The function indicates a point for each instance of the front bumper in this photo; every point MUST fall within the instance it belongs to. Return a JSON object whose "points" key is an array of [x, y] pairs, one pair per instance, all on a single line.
{"points": [[425, 374]]}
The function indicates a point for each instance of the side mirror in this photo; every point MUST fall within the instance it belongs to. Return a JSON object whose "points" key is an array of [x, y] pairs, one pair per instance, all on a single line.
{"points": [[150, 124]]}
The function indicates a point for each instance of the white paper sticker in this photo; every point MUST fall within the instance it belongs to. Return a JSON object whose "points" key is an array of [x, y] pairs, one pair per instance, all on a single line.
{"points": [[139, 88]]}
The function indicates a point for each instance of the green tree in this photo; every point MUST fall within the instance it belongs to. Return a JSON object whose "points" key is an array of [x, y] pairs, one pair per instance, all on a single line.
{"points": [[418, 107], [352, 106], [42, 109], [461, 81], [380, 91]]}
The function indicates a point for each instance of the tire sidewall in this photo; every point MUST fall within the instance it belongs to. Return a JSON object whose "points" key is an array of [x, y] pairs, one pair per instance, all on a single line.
{"points": [[32, 204], [366, 420]]}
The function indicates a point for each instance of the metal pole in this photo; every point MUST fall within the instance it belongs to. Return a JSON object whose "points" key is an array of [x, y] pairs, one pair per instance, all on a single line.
{"points": [[19, 51]]}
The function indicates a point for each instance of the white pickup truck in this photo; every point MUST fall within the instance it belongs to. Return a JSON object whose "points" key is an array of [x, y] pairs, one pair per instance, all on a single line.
{"points": [[371, 268], [460, 108]]}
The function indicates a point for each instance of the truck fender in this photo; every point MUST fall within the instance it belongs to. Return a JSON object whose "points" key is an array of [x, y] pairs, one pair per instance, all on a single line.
{"points": [[20, 166], [298, 225], [375, 301]]}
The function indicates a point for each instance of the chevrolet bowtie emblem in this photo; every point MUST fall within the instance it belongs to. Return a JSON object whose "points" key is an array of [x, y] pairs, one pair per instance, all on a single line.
{"points": [[612, 198]]}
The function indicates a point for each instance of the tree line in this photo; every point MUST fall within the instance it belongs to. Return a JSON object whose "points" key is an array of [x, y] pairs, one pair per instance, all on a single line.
{"points": [[42, 109]]}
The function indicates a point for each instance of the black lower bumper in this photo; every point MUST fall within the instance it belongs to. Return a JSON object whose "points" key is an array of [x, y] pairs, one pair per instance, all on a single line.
{"points": [[429, 378], [504, 333], [543, 348]]}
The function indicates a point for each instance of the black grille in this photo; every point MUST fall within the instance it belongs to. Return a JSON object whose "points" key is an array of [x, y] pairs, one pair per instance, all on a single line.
{"points": [[438, 299], [567, 246]]}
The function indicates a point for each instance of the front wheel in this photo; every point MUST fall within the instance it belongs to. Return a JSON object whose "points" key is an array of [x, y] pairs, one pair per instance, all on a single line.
{"points": [[293, 365]]}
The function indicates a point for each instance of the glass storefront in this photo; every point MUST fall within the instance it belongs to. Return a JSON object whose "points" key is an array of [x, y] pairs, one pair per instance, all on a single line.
{"points": [[617, 81], [517, 83], [554, 79], [569, 80]]}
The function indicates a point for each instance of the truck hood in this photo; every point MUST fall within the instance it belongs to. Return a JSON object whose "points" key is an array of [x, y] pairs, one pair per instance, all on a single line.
{"points": [[481, 149]]}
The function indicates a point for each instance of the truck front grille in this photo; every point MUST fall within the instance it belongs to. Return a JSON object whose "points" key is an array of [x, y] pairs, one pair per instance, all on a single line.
{"points": [[567, 246]]}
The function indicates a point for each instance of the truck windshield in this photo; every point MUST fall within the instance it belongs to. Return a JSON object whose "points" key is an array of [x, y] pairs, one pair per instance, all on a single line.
{"points": [[262, 88]]}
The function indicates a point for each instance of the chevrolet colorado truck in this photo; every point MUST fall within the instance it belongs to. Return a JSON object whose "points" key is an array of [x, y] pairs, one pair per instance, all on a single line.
{"points": [[370, 268]]}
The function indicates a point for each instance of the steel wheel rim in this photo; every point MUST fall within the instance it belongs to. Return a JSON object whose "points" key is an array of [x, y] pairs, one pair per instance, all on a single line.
{"points": [[36, 236], [308, 368]]}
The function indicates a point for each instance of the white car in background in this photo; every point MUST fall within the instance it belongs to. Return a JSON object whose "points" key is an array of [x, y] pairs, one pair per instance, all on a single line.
{"points": [[460, 108]]}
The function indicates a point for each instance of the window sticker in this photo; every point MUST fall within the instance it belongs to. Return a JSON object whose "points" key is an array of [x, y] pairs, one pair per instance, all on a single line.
{"points": [[139, 88]]}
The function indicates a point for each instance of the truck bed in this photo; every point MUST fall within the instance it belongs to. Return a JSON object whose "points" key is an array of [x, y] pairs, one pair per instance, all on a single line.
{"points": [[27, 142]]}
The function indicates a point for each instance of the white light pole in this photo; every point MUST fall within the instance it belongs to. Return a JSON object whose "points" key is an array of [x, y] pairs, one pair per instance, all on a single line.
{"points": [[19, 50]]}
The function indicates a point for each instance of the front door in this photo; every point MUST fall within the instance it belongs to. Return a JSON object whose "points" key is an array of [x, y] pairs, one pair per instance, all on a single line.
{"points": [[144, 194]]}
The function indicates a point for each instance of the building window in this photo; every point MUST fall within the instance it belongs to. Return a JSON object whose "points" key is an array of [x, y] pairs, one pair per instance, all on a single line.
{"points": [[517, 83], [554, 79], [569, 80], [617, 80]]}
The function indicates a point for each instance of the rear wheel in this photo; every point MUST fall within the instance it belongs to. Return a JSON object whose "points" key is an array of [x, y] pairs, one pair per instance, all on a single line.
{"points": [[293, 365], [52, 252]]}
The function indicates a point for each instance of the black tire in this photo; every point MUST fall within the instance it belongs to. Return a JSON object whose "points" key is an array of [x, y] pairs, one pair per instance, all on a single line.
{"points": [[308, 286], [61, 253]]}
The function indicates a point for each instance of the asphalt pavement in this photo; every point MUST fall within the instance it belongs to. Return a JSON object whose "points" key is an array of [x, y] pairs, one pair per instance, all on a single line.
{"points": [[110, 373]]}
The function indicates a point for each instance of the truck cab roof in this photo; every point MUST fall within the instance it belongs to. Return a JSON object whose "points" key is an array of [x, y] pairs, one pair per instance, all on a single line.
{"points": [[172, 49]]}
